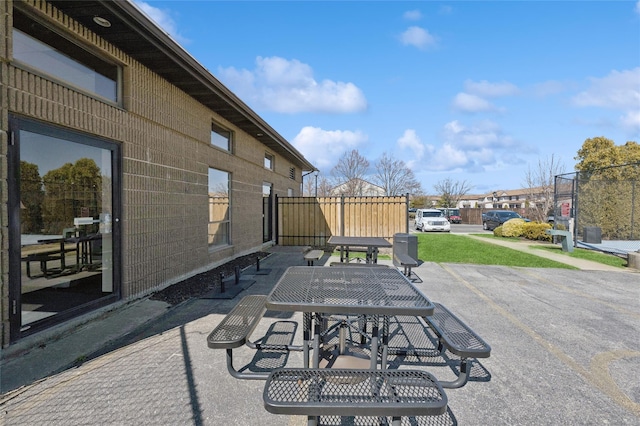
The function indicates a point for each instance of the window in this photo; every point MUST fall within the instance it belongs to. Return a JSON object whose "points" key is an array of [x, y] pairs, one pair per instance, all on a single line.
{"points": [[220, 137], [46, 52], [268, 161], [219, 207]]}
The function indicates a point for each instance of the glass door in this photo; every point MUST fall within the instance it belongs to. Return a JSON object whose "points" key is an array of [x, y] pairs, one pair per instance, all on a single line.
{"points": [[61, 224]]}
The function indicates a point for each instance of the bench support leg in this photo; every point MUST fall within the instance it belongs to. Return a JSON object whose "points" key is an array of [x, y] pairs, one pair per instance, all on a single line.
{"points": [[312, 421], [465, 369], [238, 375], [396, 421]]}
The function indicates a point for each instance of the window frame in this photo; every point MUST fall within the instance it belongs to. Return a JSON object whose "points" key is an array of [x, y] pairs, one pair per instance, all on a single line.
{"points": [[18, 124], [73, 51], [222, 133], [226, 219], [269, 161]]}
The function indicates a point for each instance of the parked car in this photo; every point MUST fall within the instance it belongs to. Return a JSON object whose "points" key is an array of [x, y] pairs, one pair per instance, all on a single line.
{"points": [[452, 215], [494, 218], [431, 220]]}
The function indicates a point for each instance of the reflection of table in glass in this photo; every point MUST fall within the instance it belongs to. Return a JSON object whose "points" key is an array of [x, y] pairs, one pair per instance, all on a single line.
{"points": [[372, 245], [43, 256], [87, 248], [317, 290]]}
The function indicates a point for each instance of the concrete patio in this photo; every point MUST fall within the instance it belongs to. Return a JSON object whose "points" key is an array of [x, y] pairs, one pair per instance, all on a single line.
{"points": [[565, 350]]}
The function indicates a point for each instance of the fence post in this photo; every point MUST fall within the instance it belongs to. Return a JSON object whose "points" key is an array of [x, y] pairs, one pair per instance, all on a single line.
{"points": [[406, 212], [342, 215], [277, 220]]}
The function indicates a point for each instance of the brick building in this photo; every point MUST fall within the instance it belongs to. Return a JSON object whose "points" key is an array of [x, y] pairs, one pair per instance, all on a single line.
{"points": [[126, 166]]}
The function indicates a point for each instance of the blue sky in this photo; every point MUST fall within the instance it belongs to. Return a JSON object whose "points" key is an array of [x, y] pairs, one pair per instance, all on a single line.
{"points": [[475, 91]]}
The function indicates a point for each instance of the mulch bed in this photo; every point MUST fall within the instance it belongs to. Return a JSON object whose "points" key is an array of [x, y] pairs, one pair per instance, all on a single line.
{"points": [[204, 282]]}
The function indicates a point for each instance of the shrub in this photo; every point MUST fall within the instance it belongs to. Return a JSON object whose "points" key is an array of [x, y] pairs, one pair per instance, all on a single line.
{"points": [[513, 228], [536, 231], [498, 231]]}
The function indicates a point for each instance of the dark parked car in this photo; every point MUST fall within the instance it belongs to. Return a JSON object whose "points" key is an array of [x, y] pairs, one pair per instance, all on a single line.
{"points": [[494, 218]]}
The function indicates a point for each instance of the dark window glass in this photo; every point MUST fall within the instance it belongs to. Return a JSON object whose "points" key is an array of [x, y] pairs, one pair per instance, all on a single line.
{"points": [[45, 51]]}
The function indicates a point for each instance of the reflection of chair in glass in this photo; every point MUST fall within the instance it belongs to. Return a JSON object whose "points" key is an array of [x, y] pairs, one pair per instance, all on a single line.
{"points": [[88, 251]]}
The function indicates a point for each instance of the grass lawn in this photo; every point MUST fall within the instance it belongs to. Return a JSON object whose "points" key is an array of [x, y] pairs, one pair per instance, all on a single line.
{"points": [[578, 253], [450, 248]]}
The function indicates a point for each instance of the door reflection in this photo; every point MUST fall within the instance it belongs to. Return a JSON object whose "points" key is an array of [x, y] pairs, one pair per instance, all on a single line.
{"points": [[65, 225]]}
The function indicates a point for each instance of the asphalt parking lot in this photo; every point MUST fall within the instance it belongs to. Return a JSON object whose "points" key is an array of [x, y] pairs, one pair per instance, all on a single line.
{"points": [[565, 350]]}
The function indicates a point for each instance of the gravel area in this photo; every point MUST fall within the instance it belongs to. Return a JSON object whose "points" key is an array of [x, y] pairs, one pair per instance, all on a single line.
{"points": [[204, 282]]}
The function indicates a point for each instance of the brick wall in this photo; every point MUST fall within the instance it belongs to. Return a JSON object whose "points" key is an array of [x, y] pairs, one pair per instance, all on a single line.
{"points": [[165, 140]]}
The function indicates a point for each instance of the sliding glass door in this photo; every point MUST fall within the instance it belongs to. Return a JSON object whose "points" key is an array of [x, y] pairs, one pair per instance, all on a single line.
{"points": [[63, 224]]}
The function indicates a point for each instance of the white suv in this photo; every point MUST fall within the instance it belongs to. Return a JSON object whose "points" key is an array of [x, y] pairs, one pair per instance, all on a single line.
{"points": [[432, 220]]}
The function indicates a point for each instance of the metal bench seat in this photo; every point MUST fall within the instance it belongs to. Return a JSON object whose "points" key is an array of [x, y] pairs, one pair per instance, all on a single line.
{"points": [[458, 338], [313, 255], [349, 392], [405, 261], [234, 331]]}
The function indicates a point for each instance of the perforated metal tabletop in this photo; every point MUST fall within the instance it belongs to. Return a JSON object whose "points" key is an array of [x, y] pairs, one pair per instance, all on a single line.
{"points": [[338, 240], [347, 290]]}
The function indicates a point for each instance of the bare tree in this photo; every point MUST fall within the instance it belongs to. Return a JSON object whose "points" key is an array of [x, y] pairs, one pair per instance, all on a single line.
{"points": [[324, 187], [349, 173], [395, 177], [451, 192], [309, 185], [539, 186]]}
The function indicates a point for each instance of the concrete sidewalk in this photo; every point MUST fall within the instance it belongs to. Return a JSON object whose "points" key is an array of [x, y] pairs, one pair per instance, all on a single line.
{"points": [[565, 351], [525, 246]]}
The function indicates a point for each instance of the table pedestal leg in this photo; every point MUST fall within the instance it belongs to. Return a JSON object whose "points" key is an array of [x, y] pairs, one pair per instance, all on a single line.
{"points": [[316, 341], [374, 342], [306, 326], [385, 342]]}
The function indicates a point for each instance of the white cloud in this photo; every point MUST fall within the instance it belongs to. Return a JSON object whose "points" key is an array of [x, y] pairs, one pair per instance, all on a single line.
{"points": [[163, 18], [472, 103], [410, 140], [620, 90], [479, 147], [448, 158], [638, 7], [417, 37], [476, 92], [323, 147], [288, 86], [445, 10], [631, 122], [482, 135], [492, 90], [548, 88], [412, 15], [476, 148]]}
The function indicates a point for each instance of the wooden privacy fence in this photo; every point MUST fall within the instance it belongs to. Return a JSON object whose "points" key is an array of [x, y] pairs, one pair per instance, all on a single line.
{"points": [[310, 221]]}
